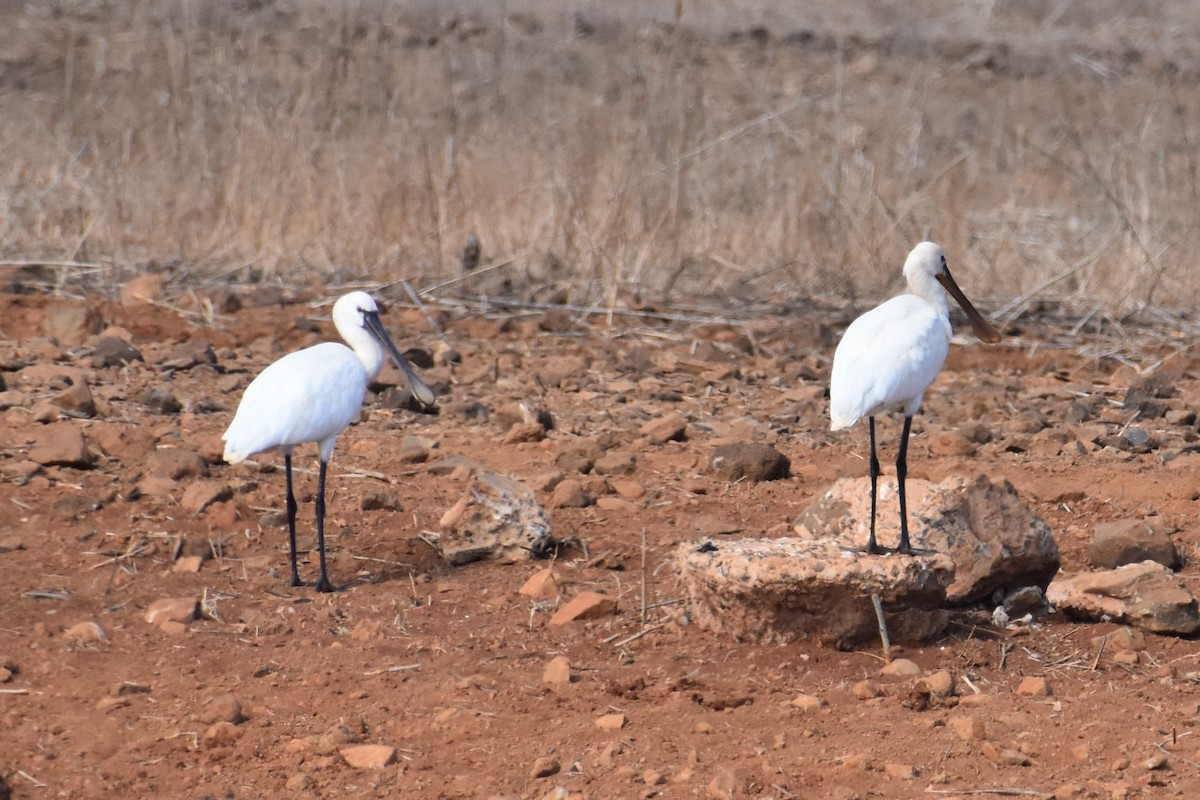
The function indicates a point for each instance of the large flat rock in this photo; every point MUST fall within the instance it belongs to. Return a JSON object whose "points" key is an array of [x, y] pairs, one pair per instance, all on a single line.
{"points": [[1146, 594], [995, 539], [497, 517], [780, 590]]}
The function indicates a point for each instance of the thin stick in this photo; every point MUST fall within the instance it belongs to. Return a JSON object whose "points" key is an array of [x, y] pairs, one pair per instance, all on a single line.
{"points": [[1099, 652], [31, 779], [423, 309], [639, 634], [883, 632], [643, 576], [394, 668], [1005, 649], [1000, 791]]}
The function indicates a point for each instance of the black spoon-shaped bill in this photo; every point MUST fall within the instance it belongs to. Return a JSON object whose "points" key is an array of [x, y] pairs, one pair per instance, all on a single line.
{"points": [[419, 388]]}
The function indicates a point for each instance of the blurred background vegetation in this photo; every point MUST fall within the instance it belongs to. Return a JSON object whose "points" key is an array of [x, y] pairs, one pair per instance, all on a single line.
{"points": [[611, 154]]}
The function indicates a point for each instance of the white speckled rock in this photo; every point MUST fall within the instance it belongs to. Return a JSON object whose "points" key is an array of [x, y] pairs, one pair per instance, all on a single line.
{"points": [[995, 539], [779, 590]]}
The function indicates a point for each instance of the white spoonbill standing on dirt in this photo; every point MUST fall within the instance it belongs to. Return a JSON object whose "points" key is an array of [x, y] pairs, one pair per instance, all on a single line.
{"points": [[888, 357], [311, 395]]}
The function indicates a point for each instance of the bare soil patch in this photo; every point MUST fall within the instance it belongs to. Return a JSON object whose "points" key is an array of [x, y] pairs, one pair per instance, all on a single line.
{"points": [[446, 664]]}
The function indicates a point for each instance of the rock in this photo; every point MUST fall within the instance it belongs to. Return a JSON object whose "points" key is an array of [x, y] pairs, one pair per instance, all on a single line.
{"points": [[575, 461], [611, 722], [542, 585], [219, 734], [585, 605], [186, 355], [1024, 600], [1034, 686], [201, 494], [1004, 757], [160, 401], [939, 683], [569, 494], [76, 400], [335, 739], [669, 428], [524, 432], [778, 590], [298, 783], [949, 444], [221, 708], [544, 767], [993, 537], [557, 672], [106, 704], [86, 632], [1129, 541], [749, 461], [724, 784], [497, 517], [380, 501], [129, 443], [113, 352], [61, 445], [507, 416], [900, 772], [74, 506], [614, 464], [173, 609], [968, 728], [1123, 640], [901, 668], [1147, 595], [368, 756], [866, 690], [70, 325], [177, 464], [808, 703], [561, 371]]}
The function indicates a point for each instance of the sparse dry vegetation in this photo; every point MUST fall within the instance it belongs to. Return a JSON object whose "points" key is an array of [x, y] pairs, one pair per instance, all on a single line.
{"points": [[764, 155]]}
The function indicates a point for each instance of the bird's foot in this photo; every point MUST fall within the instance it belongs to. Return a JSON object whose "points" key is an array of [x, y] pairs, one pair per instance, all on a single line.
{"points": [[913, 551], [296, 581], [880, 550], [323, 585]]}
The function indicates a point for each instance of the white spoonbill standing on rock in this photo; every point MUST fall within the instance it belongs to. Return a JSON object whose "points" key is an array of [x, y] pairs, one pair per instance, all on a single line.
{"points": [[311, 395], [888, 357]]}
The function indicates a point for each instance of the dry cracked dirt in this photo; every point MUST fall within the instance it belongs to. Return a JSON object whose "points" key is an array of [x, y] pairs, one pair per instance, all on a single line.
{"points": [[115, 497]]}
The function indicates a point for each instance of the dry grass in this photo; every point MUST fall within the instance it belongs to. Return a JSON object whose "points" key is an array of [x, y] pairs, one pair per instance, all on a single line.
{"points": [[1052, 153]]}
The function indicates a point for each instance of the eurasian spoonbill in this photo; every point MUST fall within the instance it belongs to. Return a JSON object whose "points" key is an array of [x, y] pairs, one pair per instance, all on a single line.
{"points": [[311, 395], [888, 357]]}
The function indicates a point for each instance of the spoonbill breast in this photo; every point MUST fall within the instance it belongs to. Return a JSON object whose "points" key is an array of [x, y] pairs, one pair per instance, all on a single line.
{"points": [[887, 359]]}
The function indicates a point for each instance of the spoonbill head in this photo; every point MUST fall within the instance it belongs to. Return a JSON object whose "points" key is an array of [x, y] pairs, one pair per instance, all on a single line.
{"points": [[311, 395], [890, 355]]}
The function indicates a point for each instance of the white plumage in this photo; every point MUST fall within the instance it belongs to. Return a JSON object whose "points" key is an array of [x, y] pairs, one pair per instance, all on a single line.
{"points": [[890, 355], [311, 396]]}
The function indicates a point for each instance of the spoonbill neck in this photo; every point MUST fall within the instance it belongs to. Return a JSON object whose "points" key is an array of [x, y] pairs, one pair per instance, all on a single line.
{"points": [[926, 286], [365, 346]]}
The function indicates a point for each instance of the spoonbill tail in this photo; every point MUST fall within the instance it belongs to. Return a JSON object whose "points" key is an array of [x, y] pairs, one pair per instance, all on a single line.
{"points": [[888, 357], [311, 395]]}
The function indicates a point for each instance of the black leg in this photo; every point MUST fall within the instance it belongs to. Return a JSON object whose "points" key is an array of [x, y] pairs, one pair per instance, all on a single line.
{"points": [[291, 516], [872, 547], [901, 472], [323, 584]]}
